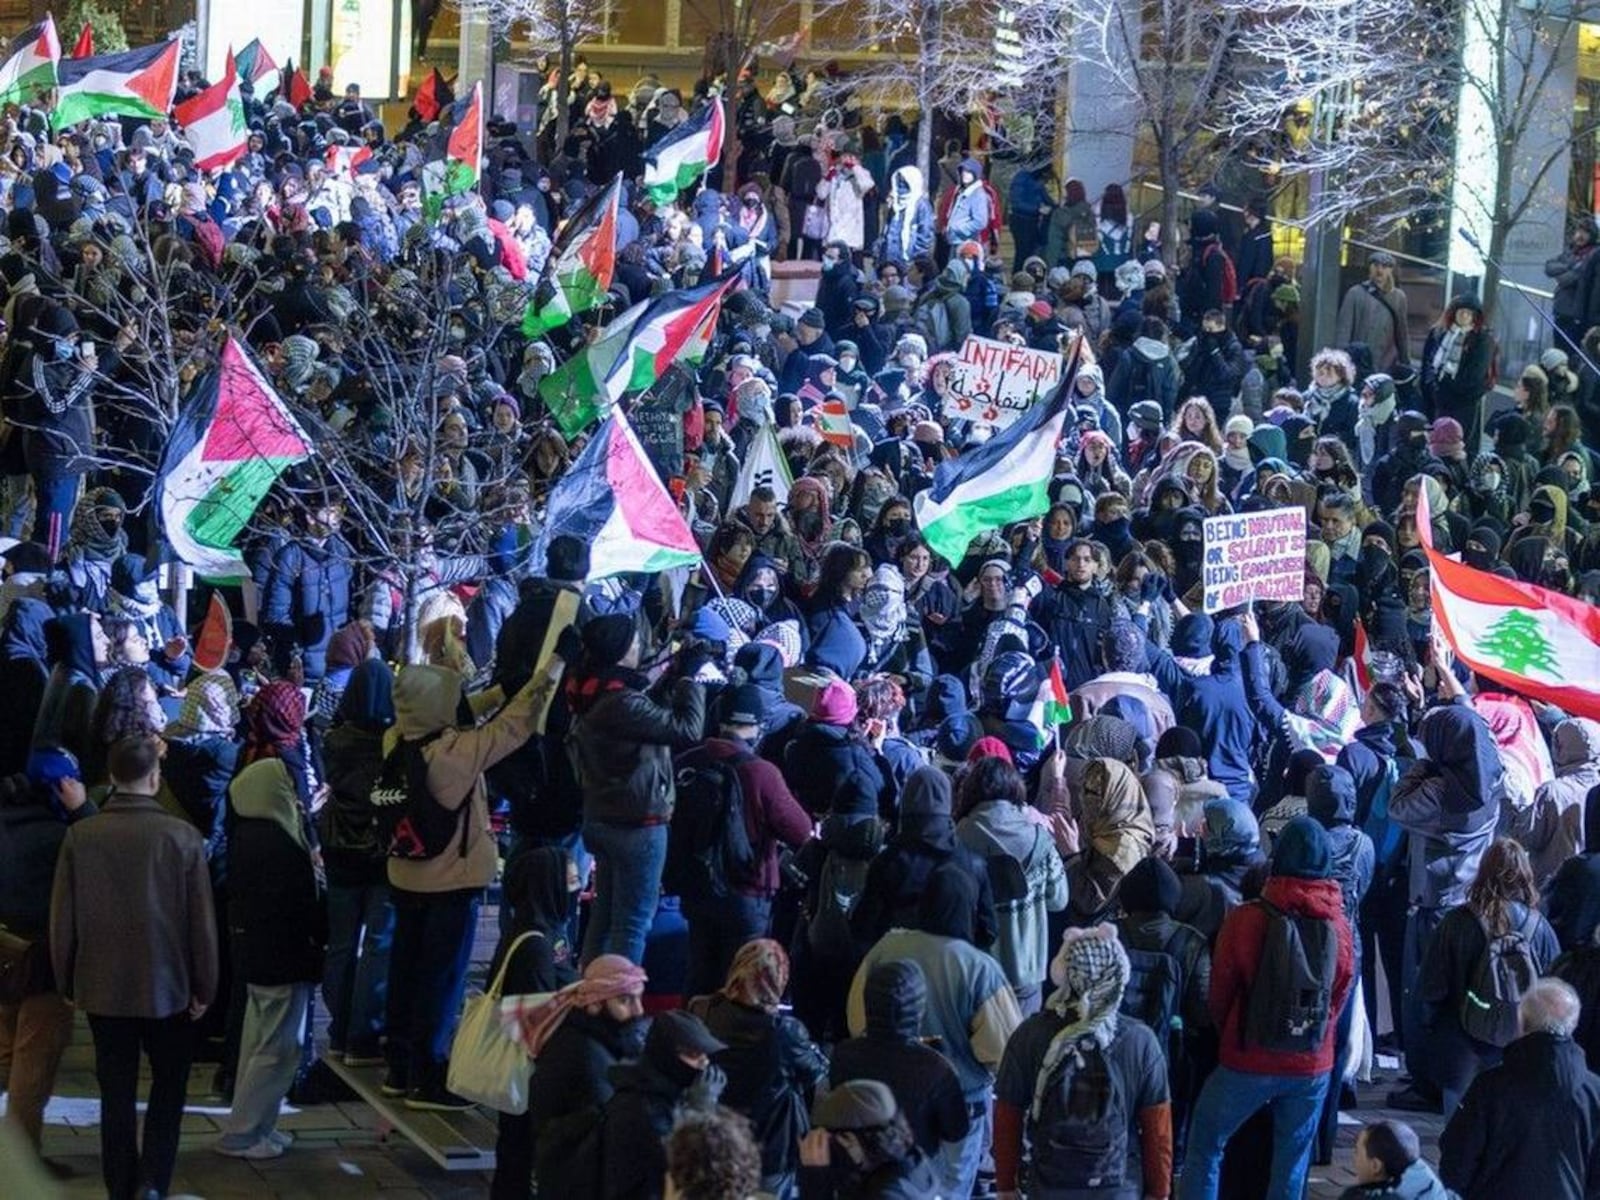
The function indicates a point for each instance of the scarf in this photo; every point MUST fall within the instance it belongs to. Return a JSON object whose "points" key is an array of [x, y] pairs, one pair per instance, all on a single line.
{"points": [[1118, 821], [883, 608], [1367, 424], [142, 615], [606, 978], [210, 706], [1090, 972], [1324, 716], [758, 976], [1447, 357], [1320, 400], [275, 720]]}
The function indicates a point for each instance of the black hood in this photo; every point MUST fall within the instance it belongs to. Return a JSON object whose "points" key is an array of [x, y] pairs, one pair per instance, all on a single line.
{"points": [[536, 886], [24, 638], [1460, 745], [948, 903], [896, 996], [1309, 648], [1591, 822], [71, 644], [762, 664], [1331, 796]]}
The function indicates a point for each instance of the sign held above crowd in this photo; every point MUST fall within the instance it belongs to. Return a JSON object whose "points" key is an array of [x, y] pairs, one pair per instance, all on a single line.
{"points": [[1254, 556], [996, 382]]}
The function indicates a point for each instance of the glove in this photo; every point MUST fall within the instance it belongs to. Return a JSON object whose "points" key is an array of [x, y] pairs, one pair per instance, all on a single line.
{"points": [[694, 655], [704, 1092], [569, 645]]}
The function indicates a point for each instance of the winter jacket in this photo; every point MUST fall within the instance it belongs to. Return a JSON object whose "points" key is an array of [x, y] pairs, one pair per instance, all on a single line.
{"points": [[948, 293], [1377, 320], [1449, 803], [897, 877], [1416, 1182], [621, 747], [1238, 957], [1331, 800], [197, 772], [773, 1067], [1452, 954], [773, 818], [1002, 834], [1089, 698], [830, 769], [1213, 367], [844, 189], [970, 213], [309, 597], [277, 917], [1214, 706], [836, 642], [1551, 828], [1077, 620], [1528, 1127], [571, 1084], [908, 231], [1146, 372], [891, 1050], [1572, 897], [1163, 933], [31, 833], [645, 1104]]}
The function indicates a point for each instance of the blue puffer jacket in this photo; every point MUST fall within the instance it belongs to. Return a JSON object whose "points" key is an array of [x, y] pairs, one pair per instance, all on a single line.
{"points": [[1213, 704], [309, 597]]}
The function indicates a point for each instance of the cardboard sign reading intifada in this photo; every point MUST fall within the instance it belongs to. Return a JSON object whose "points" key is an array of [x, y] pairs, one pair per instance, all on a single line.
{"points": [[997, 383], [1254, 556]]}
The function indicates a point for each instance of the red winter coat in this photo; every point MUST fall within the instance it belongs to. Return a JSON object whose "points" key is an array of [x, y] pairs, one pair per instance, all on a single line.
{"points": [[1237, 957], [773, 817]]}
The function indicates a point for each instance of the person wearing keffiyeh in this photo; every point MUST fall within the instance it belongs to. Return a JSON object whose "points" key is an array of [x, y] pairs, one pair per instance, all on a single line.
{"points": [[1080, 1022]]}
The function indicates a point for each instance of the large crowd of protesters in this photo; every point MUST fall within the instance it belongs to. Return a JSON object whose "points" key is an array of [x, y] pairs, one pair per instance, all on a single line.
{"points": [[964, 951]]}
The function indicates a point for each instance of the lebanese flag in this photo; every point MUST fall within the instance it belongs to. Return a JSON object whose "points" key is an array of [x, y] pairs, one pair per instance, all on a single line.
{"points": [[580, 266], [85, 46], [214, 121], [134, 83], [233, 439], [1541, 644], [612, 498], [833, 423]]}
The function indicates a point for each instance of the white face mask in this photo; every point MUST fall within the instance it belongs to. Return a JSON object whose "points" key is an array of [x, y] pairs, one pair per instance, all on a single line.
{"points": [[847, 364]]}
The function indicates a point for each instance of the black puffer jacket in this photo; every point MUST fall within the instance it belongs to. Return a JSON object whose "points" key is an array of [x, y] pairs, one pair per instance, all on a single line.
{"points": [[773, 1067], [829, 769], [1449, 803], [622, 742], [639, 1117], [30, 841], [1572, 898], [892, 1052]]}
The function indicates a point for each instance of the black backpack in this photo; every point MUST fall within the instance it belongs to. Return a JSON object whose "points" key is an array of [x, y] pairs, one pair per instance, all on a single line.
{"points": [[423, 828], [1154, 994], [1080, 1139], [709, 851], [1291, 997], [1503, 971]]}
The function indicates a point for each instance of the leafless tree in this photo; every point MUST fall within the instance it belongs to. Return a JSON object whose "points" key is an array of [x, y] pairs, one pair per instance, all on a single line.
{"points": [[561, 25]]}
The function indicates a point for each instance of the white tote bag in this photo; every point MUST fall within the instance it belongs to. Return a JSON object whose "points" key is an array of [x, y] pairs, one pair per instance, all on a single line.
{"points": [[486, 1065]]}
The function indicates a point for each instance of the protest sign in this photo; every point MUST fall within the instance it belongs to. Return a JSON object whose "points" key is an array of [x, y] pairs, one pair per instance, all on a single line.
{"points": [[1254, 556], [995, 382]]}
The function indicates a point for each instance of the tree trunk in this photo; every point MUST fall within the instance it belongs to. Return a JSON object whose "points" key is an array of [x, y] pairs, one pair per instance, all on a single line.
{"points": [[1170, 184], [563, 99], [927, 65]]}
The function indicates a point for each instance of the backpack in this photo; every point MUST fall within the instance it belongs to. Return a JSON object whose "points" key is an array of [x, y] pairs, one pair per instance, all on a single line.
{"points": [[1154, 992], [1504, 970], [933, 323], [1141, 380], [1080, 1138], [1291, 997], [840, 882], [1230, 274], [422, 827], [709, 850]]}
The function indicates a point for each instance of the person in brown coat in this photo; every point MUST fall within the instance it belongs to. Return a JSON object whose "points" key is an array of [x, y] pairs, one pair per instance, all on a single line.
{"points": [[133, 942]]}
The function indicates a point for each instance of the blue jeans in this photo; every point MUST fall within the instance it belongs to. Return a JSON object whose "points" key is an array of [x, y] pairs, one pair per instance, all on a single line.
{"points": [[1227, 1101], [627, 886], [957, 1162], [356, 974], [717, 928], [428, 977]]}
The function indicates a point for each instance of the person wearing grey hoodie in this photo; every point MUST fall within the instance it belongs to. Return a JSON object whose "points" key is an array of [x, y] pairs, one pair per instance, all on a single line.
{"points": [[1551, 828], [1146, 372]]}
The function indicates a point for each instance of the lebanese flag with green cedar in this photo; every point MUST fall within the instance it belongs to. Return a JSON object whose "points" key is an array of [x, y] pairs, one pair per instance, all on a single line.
{"points": [[213, 121], [632, 353], [232, 440], [581, 264], [29, 69], [1542, 644], [134, 83]]}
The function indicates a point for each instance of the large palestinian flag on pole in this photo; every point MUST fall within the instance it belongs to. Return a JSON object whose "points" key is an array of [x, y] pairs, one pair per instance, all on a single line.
{"points": [[463, 157], [134, 83], [580, 266], [1544, 645], [679, 160], [632, 353], [30, 65], [612, 498], [213, 121], [254, 62], [1006, 479], [233, 439]]}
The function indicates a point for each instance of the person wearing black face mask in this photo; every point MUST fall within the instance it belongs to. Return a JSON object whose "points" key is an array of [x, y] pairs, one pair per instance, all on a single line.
{"points": [[1409, 458], [889, 531], [1188, 547]]}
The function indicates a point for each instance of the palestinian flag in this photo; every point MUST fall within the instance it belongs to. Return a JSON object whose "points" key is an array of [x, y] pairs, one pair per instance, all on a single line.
{"points": [[679, 160], [1006, 479], [463, 156], [631, 354], [214, 121], [232, 441], [1541, 644], [30, 65], [254, 62], [612, 498], [580, 265], [85, 46], [134, 83], [1057, 704], [433, 97]]}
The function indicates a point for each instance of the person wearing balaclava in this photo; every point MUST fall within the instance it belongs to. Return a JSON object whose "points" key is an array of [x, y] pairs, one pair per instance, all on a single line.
{"points": [[96, 542], [971, 1008], [1291, 1082], [674, 1076], [924, 840], [1081, 1030], [1448, 804]]}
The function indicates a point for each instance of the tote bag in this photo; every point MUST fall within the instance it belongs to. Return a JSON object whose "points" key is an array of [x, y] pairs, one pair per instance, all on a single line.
{"points": [[486, 1065]]}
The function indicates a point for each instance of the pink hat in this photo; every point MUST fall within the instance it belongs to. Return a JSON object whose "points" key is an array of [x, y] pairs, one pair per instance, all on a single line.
{"points": [[989, 747], [835, 704], [1446, 437]]}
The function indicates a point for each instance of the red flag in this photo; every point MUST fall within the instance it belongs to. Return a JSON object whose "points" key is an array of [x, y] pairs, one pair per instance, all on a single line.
{"points": [[85, 46], [295, 87], [432, 96]]}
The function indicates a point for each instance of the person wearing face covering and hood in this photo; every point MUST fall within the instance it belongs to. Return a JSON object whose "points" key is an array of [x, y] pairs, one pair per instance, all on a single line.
{"points": [[1057, 1060], [924, 840], [24, 673], [971, 1008], [895, 644], [1551, 829], [73, 646], [908, 232], [1230, 850], [1117, 831], [1448, 803], [134, 597], [202, 757], [540, 886]]}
